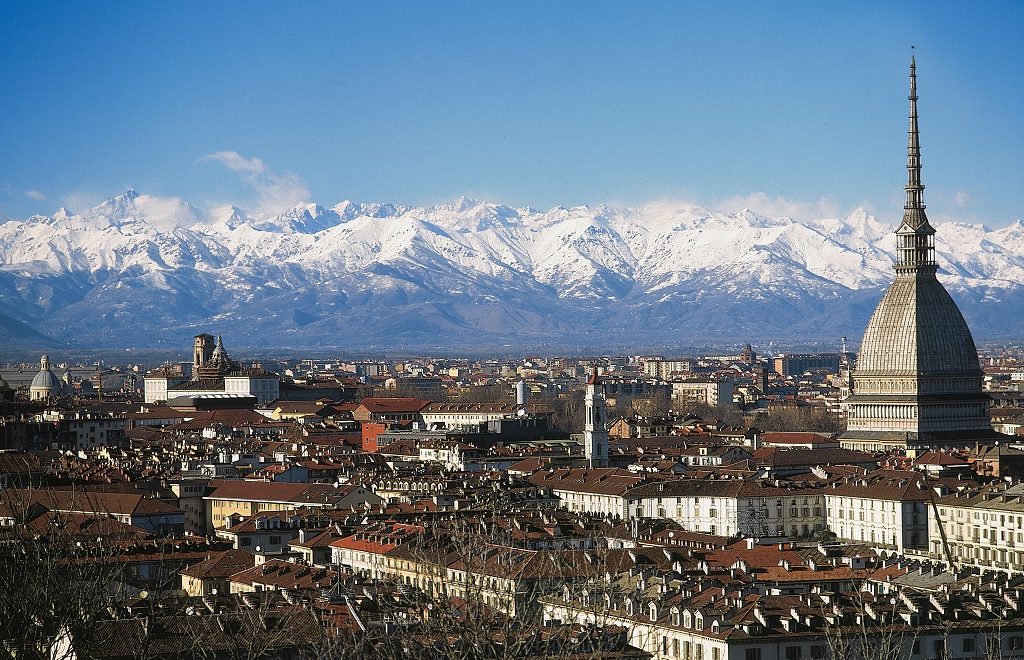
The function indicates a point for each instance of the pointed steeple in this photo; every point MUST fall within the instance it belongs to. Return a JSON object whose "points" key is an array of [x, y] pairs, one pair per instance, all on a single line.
{"points": [[914, 188], [916, 237]]}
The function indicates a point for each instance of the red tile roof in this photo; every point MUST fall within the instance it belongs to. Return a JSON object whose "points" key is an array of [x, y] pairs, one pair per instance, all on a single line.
{"points": [[393, 405], [221, 565]]}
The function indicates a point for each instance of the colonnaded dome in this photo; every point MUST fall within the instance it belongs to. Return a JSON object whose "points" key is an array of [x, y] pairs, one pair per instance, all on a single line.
{"points": [[45, 384]]}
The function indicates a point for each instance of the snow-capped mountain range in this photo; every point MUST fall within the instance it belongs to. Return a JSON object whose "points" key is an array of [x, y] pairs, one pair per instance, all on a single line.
{"points": [[147, 272]]}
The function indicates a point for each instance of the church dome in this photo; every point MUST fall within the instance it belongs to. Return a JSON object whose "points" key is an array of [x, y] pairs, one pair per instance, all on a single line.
{"points": [[917, 330], [46, 383]]}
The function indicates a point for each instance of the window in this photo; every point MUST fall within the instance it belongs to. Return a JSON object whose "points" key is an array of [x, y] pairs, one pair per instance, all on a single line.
{"points": [[275, 540], [916, 650], [793, 652], [1016, 643], [716, 653], [246, 541], [968, 644], [752, 654], [818, 652]]}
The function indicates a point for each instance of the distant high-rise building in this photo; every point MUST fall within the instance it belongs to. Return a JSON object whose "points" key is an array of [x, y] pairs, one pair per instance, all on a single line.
{"points": [[917, 382]]}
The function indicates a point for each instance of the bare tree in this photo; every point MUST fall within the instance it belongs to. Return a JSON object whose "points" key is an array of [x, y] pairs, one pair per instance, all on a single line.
{"points": [[56, 576], [801, 419], [482, 394], [681, 407], [858, 625], [478, 597], [568, 411], [658, 405]]}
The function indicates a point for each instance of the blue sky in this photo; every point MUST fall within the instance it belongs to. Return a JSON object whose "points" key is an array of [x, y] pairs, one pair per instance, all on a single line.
{"points": [[796, 108]]}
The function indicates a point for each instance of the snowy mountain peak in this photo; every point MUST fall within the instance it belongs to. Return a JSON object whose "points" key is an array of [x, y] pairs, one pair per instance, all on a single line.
{"points": [[359, 271], [116, 208]]}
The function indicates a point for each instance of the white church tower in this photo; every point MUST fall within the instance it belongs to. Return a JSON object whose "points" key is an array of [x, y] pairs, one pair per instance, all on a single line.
{"points": [[595, 428]]}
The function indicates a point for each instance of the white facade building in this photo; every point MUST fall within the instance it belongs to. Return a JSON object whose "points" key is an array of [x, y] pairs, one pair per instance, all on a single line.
{"points": [[732, 507], [887, 509]]}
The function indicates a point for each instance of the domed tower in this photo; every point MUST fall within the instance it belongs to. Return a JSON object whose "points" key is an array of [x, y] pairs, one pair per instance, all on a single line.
{"points": [[45, 385], [917, 382]]}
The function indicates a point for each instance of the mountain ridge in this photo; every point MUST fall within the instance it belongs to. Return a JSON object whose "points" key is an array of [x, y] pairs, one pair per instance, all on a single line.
{"points": [[148, 272]]}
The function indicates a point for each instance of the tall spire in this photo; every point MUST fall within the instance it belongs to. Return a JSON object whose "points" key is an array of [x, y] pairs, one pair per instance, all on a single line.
{"points": [[914, 207], [916, 243]]}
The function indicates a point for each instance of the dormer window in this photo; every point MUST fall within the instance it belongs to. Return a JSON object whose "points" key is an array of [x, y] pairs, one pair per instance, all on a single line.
{"points": [[698, 622], [675, 616], [653, 611], [687, 621]]}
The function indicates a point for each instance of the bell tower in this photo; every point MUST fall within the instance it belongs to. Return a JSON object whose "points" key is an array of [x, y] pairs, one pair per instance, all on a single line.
{"points": [[595, 428]]}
